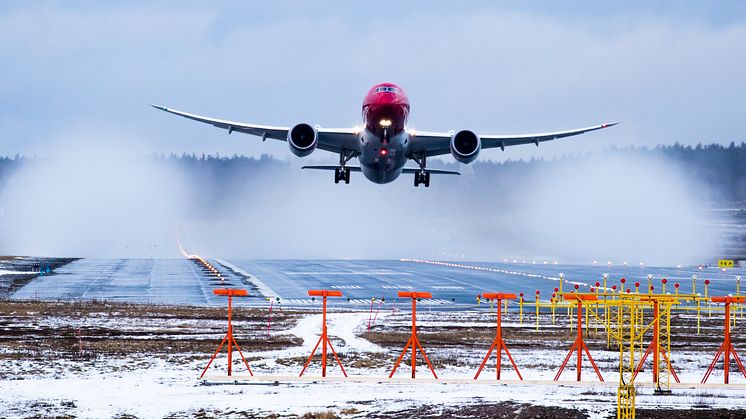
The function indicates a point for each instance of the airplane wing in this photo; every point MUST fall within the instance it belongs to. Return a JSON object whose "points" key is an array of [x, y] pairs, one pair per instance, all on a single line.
{"points": [[437, 143], [330, 139]]}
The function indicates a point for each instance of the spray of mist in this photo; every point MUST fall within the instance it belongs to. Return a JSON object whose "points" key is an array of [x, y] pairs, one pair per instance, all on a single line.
{"points": [[92, 199], [106, 201]]}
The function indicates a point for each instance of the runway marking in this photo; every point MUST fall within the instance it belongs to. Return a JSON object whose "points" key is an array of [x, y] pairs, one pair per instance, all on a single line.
{"points": [[346, 287], [367, 273], [447, 287], [396, 287], [482, 268], [435, 302], [259, 284], [308, 301]]}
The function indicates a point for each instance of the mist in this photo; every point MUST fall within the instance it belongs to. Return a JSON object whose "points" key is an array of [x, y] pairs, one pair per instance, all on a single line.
{"points": [[102, 199], [605, 206], [94, 198]]}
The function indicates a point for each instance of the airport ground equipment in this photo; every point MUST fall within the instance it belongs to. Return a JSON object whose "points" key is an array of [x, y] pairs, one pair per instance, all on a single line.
{"points": [[229, 339], [660, 345], [629, 318], [324, 338], [579, 345], [726, 348], [413, 341], [499, 344]]}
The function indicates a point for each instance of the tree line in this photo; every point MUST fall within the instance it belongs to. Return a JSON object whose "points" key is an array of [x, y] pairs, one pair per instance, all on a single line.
{"points": [[722, 167]]}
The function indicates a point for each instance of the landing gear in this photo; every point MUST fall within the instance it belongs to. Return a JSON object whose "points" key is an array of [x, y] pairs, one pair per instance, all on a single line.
{"points": [[423, 176], [342, 173]]}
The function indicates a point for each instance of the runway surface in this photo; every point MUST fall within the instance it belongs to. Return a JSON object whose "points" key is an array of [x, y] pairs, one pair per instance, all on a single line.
{"points": [[453, 284]]}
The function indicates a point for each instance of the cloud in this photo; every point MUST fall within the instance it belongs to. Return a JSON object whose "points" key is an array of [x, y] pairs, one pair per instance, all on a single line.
{"points": [[495, 69]]}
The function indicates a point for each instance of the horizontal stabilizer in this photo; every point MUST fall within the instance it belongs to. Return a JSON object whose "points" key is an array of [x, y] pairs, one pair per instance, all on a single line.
{"points": [[405, 170], [433, 171], [352, 168]]}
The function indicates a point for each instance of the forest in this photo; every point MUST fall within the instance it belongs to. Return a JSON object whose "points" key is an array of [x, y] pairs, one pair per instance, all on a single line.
{"points": [[719, 168]]}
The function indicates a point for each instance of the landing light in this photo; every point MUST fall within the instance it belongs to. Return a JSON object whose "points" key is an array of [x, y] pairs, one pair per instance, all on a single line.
{"points": [[385, 123]]}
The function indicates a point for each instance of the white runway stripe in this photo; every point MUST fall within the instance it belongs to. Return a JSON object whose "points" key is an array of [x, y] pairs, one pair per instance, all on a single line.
{"points": [[370, 273]]}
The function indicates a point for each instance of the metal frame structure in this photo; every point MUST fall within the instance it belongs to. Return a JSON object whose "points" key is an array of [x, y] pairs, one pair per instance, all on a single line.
{"points": [[324, 338], [229, 339], [499, 343], [413, 341]]}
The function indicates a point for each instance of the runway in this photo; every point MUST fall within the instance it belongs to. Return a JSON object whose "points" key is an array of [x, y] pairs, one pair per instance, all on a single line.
{"points": [[454, 285]]}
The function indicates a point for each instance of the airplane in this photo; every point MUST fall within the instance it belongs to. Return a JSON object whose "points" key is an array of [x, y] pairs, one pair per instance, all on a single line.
{"points": [[384, 144]]}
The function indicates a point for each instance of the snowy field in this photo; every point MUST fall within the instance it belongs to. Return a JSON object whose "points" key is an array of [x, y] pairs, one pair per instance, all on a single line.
{"points": [[145, 361]]}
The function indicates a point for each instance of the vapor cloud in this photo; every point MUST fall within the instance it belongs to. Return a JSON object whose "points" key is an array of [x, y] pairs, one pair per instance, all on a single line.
{"points": [[93, 199]]}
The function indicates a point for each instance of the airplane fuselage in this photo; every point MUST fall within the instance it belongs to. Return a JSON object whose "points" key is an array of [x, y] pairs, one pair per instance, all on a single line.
{"points": [[384, 141]]}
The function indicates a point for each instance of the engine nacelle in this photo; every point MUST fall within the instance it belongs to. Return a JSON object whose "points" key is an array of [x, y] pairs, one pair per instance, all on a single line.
{"points": [[465, 146], [302, 139]]}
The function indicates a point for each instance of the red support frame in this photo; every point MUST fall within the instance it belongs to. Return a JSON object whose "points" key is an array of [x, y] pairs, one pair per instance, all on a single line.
{"points": [[499, 343], [324, 338], [579, 345], [229, 339], [726, 348], [413, 341], [655, 345]]}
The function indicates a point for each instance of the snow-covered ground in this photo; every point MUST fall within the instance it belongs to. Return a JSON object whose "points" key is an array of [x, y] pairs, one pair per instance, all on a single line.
{"points": [[147, 385]]}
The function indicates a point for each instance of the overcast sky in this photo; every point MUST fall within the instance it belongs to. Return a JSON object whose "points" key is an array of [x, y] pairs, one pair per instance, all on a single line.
{"points": [[671, 71]]}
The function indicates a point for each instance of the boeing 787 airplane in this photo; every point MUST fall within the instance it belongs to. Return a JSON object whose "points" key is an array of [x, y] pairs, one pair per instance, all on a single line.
{"points": [[384, 144]]}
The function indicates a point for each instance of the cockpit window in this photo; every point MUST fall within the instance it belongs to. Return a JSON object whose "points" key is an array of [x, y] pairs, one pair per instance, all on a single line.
{"points": [[388, 89]]}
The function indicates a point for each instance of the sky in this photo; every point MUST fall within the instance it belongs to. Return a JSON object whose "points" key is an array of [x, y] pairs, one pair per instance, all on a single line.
{"points": [[672, 71], [76, 78]]}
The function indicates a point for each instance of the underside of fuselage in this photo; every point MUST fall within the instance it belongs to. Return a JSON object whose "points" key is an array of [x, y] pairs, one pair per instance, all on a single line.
{"points": [[381, 159]]}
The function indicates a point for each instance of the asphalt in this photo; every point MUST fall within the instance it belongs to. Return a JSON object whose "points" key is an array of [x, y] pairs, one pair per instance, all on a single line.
{"points": [[286, 282]]}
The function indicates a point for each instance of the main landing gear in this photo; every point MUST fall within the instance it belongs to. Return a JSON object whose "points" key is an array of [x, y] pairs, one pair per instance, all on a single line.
{"points": [[423, 176], [343, 173]]}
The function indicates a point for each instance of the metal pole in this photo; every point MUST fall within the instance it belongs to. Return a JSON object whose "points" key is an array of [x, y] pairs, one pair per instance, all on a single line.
{"points": [[230, 335], [414, 336], [324, 339]]}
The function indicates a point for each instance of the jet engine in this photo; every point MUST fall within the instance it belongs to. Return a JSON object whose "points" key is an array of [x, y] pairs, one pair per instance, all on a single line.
{"points": [[465, 146], [302, 139]]}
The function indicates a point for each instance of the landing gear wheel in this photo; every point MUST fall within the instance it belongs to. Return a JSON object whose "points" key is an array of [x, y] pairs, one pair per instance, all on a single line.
{"points": [[423, 178], [342, 174]]}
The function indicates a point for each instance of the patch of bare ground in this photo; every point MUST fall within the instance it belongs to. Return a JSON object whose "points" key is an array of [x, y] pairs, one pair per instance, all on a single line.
{"points": [[36, 329], [690, 414], [502, 410], [550, 334], [214, 414]]}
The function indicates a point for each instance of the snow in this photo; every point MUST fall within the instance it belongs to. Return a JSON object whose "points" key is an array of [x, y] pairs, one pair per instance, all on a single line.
{"points": [[157, 387]]}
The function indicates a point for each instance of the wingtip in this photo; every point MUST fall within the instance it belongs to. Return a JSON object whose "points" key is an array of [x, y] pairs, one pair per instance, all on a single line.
{"points": [[163, 108], [610, 124]]}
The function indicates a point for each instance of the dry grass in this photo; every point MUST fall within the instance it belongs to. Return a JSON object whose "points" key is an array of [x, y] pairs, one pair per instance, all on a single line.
{"points": [[31, 329]]}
